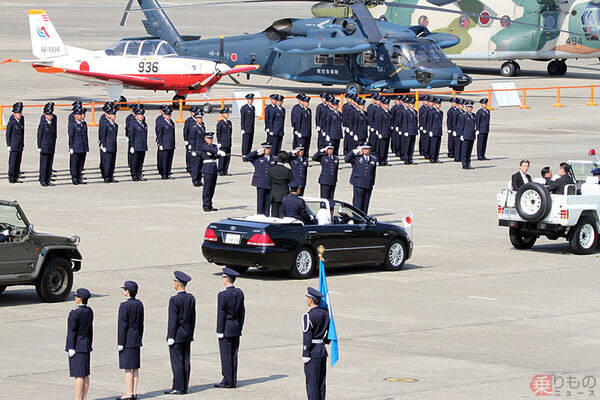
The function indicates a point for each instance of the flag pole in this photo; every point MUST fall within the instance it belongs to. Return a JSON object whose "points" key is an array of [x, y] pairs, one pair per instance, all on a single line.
{"points": [[321, 251]]}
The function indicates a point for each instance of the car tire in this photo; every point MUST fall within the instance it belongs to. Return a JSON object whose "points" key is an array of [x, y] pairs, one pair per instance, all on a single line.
{"points": [[56, 280], [584, 237], [303, 264], [395, 255], [2, 289], [521, 241], [239, 270], [533, 202]]}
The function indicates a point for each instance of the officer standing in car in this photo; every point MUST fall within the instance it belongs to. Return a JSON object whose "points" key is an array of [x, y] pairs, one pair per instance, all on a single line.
{"points": [[209, 153], [180, 333], [107, 134], [138, 145], [482, 125], [187, 127], [196, 138], [224, 133], [15, 139], [299, 165], [230, 323], [130, 331], [466, 129], [329, 170], [262, 160], [364, 166], [46, 143], [80, 333], [315, 327], [436, 126], [165, 138], [247, 117], [78, 146]]}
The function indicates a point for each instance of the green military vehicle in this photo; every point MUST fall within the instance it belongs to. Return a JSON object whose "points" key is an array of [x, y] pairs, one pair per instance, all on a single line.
{"points": [[31, 258]]}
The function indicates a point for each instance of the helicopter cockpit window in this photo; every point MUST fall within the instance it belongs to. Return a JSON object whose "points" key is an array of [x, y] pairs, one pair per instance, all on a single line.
{"points": [[116, 49], [321, 59], [398, 57], [339, 59], [419, 53], [369, 58], [590, 19], [148, 48], [132, 48], [165, 49]]}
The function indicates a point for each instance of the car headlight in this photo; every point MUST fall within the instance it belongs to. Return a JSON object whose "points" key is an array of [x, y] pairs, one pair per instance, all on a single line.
{"points": [[74, 239]]}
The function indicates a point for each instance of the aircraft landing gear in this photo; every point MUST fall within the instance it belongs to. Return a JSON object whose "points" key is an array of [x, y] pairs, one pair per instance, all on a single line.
{"points": [[207, 108], [557, 67], [176, 99], [510, 68], [354, 88]]}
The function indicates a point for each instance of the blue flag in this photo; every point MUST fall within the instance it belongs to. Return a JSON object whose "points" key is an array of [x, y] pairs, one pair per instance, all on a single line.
{"points": [[326, 303]]}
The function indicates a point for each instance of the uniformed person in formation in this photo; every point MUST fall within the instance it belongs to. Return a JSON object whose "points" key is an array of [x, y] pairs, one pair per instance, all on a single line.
{"points": [[187, 127], [247, 117], [15, 141], [396, 114], [180, 333], [107, 138], [466, 130], [224, 133], [302, 122], [333, 125], [482, 125], [299, 165], [348, 110], [230, 322], [435, 134], [209, 153], [451, 118], [329, 170], [128, 126], [80, 333], [457, 142], [165, 139], [268, 114], [424, 125], [383, 128], [78, 145], [277, 124], [372, 109], [409, 131], [138, 144], [46, 143], [315, 327], [364, 166], [130, 330], [358, 130], [195, 140], [262, 160], [320, 112], [105, 108]]}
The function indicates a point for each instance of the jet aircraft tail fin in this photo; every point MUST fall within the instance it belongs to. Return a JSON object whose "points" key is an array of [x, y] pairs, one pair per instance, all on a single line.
{"points": [[45, 40], [157, 23]]}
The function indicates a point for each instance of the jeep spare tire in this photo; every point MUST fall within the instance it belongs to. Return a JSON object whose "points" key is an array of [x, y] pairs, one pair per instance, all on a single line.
{"points": [[533, 202]]}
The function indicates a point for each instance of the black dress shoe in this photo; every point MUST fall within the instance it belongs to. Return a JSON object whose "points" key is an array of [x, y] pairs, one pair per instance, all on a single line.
{"points": [[214, 209], [82, 183], [142, 179], [113, 180], [485, 158], [197, 184], [75, 182], [207, 209], [177, 392], [44, 184], [135, 179], [106, 180], [171, 177], [223, 386]]}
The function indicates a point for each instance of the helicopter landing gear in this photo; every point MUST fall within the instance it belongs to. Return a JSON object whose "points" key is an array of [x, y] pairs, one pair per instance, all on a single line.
{"points": [[510, 68], [176, 99], [458, 88], [207, 108], [557, 67], [354, 88], [123, 100]]}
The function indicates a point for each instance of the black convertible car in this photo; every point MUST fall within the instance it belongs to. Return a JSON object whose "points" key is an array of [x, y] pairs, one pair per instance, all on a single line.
{"points": [[349, 236]]}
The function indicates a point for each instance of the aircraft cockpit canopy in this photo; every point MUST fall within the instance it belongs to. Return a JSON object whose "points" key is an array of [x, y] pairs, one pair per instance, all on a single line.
{"points": [[417, 53], [148, 47]]}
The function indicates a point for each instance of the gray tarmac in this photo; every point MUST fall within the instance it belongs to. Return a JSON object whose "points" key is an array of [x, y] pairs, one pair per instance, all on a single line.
{"points": [[469, 318]]}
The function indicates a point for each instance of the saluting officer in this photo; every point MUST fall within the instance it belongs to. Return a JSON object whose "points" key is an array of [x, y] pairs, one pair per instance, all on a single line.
{"points": [[466, 130], [451, 117], [333, 125], [230, 322], [247, 117], [78, 145], [195, 139], [435, 135], [299, 165], [129, 121], [187, 127], [383, 127], [262, 160], [482, 124], [209, 153], [15, 139], [138, 144], [457, 142], [130, 330], [364, 166], [80, 333], [107, 132], [269, 114], [281, 177], [180, 333], [224, 133], [315, 327], [320, 113], [329, 170], [409, 131], [46, 143], [165, 138]]}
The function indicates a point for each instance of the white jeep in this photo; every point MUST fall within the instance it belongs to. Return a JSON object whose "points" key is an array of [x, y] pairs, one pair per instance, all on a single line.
{"points": [[532, 211]]}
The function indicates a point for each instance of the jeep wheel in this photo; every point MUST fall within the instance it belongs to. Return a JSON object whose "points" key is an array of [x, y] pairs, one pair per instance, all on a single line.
{"points": [[2, 289], [303, 266], [533, 202], [395, 256], [56, 280], [521, 240], [584, 237]]}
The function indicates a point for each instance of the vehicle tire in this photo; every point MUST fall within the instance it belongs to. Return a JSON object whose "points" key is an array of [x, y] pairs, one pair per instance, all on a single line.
{"points": [[123, 99], [2, 289], [238, 269], [354, 88], [553, 68], [533, 202], [562, 67], [458, 88], [519, 240], [395, 255], [584, 237], [304, 264], [207, 108], [176, 99], [509, 68], [56, 280]]}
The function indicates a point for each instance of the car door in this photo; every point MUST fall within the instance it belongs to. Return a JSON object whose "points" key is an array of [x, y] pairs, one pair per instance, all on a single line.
{"points": [[362, 238], [330, 237]]}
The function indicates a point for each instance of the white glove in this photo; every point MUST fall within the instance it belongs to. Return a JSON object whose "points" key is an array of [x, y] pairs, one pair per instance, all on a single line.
{"points": [[185, 142], [318, 129], [70, 151], [189, 147], [327, 138], [71, 353], [221, 153], [103, 149], [243, 132], [477, 132], [194, 154], [298, 134], [260, 152], [8, 148], [462, 139], [379, 136], [120, 348], [160, 148], [305, 359], [170, 341], [220, 336], [6, 232], [449, 132], [270, 133], [39, 150], [454, 134], [406, 134], [430, 134], [356, 151], [323, 134], [267, 130], [127, 138], [131, 150], [218, 145], [323, 150], [397, 129], [421, 128], [355, 138]]}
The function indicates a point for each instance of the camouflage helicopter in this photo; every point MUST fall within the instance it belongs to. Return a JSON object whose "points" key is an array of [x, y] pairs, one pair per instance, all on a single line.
{"points": [[503, 30]]}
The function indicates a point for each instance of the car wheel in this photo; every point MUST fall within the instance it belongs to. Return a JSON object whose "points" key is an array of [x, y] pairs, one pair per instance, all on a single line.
{"points": [[207, 108], [533, 202], [2, 289], [584, 237], [303, 265], [520, 240], [56, 280], [395, 255], [239, 270]]}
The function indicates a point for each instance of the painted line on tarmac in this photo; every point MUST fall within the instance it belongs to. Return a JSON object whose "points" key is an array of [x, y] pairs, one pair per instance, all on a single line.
{"points": [[482, 298]]}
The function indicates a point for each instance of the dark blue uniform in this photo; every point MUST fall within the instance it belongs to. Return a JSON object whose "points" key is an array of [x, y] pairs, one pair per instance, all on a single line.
{"points": [[329, 173], [315, 325], [80, 333], [466, 130], [383, 126], [320, 113], [230, 322], [397, 113], [435, 137], [138, 141], [182, 323], [333, 129], [277, 128], [295, 207], [482, 125], [165, 137], [358, 131], [362, 178], [107, 132], [224, 132], [128, 123], [409, 134], [78, 142], [299, 166], [301, 123], [208, 154], [195, 140], [451, 116], [46, 143], [262, 164], [247, 116], [372, 109], [268, 119], [424, 129], [130, 330], [457, 142], [15, 139], [187, 127]]}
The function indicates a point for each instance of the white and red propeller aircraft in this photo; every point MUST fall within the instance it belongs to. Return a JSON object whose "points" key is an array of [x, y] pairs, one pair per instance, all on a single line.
{"points": [[145, 63]]}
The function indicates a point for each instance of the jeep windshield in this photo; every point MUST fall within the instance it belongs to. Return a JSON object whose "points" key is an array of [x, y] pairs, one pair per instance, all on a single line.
{"points": [[9, 215], [582, 169]]}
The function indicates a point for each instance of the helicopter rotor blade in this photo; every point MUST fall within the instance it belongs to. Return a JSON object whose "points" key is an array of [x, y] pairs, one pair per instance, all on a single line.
{"points": [[367, 22], [221, 49], [126, 13]]}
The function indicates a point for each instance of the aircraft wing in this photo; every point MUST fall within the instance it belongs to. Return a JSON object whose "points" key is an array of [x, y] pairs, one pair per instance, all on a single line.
{"points": [[129, 80]]}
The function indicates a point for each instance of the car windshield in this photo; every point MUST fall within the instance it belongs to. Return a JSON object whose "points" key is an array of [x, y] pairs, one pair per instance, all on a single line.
{"points": [[417, 53], [10, 215], [342, 214], [582, 169]]}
